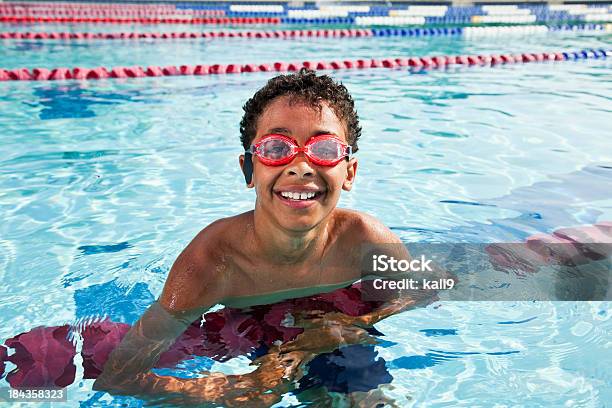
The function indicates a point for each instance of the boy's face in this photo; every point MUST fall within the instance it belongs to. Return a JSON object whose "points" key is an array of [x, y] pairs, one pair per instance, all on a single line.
{"points": [[299, 122]]}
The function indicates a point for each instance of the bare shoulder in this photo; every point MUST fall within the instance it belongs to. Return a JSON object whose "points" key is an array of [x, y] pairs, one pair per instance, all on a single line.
{"points": [[198, 277], [365, 236], [363, 227]]}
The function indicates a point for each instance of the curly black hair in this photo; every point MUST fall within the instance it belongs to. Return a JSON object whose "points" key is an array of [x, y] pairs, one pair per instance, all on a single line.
{"points": [[307, 87]]}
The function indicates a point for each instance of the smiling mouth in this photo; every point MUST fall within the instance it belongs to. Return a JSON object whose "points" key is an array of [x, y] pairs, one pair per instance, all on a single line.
{"points": [[300, 195], [299, 199]]}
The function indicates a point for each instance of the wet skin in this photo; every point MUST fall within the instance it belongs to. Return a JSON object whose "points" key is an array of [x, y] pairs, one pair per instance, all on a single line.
{"points": [[277, 214], [282, 249]]}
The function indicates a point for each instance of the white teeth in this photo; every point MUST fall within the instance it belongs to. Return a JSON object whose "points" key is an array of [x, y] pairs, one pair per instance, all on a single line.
{"points": [[298, 196]]}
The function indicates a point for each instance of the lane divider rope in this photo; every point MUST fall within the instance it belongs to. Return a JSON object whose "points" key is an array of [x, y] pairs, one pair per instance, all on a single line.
{"points": [[58, 9], [360, 15], [417, 63], [392, 21], [34, 13], [207, 20], [52, 5], [113, 13], [175, 35], [328, 33]]}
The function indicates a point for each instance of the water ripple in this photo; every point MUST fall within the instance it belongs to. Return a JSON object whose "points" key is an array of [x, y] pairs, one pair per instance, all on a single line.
{"points": [[104, 183]]}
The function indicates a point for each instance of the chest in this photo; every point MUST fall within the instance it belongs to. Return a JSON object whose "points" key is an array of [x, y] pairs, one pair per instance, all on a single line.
{"points": [[259, 277]]}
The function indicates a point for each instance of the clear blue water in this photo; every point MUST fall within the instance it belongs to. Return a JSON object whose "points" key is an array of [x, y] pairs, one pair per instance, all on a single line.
{"points": [[94, 53], [103, 183]]}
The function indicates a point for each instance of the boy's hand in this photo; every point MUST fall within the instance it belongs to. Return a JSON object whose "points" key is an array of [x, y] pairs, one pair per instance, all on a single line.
{"points": [[317, 318], [326, 335], [261, 388]]}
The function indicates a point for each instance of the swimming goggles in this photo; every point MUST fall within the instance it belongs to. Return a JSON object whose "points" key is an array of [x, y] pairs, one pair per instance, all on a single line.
{"points": [[276, 150]]}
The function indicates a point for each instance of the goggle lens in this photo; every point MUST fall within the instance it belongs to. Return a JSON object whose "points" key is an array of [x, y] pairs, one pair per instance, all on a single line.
{"points": [[326, 149], [276, 150]]}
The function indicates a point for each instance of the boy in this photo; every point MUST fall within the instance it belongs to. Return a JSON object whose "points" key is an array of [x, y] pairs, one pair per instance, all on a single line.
{"points": [[299, 133]]}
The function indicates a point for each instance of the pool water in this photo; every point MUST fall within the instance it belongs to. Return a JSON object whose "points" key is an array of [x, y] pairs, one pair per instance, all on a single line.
{"points": [[102, 183]]}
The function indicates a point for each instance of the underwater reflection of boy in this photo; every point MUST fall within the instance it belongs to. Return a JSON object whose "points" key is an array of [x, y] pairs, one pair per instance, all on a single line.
{"points": [[299, 132]]}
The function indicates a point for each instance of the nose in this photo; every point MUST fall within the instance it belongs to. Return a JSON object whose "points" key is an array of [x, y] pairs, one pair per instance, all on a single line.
{"points": [[300, 167]]}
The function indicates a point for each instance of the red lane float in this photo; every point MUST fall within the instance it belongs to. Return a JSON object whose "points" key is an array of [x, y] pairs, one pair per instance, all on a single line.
{"points": [[93, 6], [184, 35], [89, 8], [121, 15], [105, 20], [417, 63], [75, 13]]}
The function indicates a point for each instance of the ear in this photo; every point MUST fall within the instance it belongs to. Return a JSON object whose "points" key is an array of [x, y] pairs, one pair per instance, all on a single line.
{"points": [[351, 171], [247, 171]]}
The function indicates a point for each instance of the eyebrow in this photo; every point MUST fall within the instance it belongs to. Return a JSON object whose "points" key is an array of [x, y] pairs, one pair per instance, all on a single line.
{"points": [[288, 132], [278, 130], [324, 132]]}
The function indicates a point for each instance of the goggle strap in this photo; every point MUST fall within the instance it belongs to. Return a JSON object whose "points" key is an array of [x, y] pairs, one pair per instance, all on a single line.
{"points": [[247, 166]]}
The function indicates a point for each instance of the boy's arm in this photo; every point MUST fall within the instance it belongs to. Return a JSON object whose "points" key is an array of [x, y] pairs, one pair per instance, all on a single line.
{"points": [[128, 367], [193, 285]]}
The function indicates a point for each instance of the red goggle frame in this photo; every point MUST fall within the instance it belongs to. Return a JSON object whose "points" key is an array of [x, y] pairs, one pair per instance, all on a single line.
{"points": [[322, 150]]}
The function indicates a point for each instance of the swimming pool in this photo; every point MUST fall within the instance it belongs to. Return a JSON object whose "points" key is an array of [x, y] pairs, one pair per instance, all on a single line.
{"points": [[104, 182]]}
